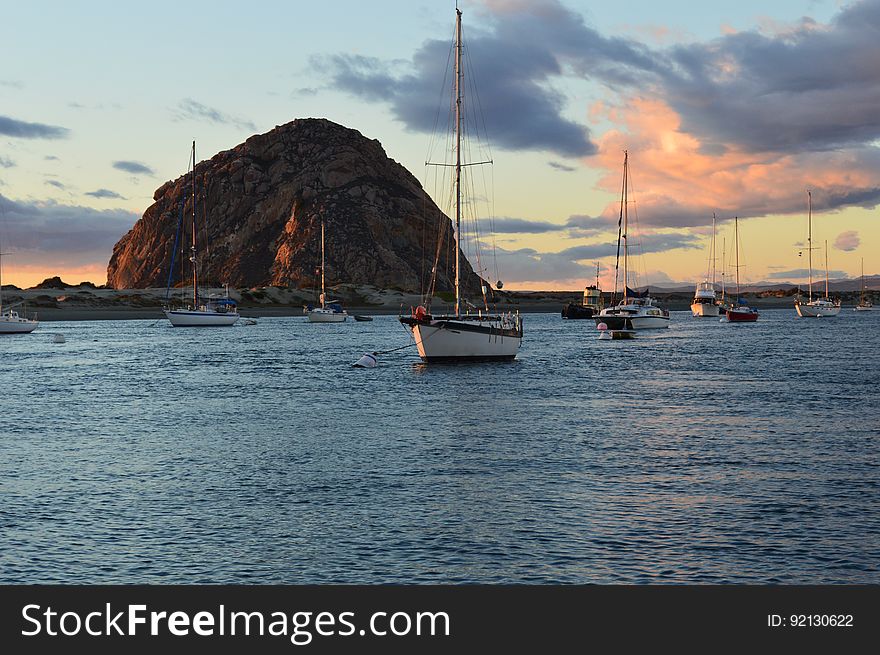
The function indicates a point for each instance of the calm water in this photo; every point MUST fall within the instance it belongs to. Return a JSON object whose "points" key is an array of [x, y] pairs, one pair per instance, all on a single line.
{"points": [[137, 453]]}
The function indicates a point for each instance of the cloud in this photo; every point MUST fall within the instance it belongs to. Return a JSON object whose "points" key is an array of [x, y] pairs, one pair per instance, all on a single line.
{"points": [[791, 88], [51, 158], [22, 130], [5, 162], [582, 225], [12, 84], [527, 265], [679, 185], [47, 233], [739, 125], [104, 193], [805, 87], [512, 77], [189, 109], [847, 241], [507, 225], [57, 184], [133, 167], [578, 225], [561, 167]]}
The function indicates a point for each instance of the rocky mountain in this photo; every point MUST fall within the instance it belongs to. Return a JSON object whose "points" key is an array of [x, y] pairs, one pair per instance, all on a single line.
{"points": [[263, 202]]}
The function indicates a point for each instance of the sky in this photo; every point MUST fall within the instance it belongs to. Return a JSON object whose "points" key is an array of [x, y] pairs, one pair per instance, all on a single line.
{"points": [[731, 108]]}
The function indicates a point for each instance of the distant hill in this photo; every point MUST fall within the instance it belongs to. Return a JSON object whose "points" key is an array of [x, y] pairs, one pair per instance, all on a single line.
{"points": [[839, 285]]}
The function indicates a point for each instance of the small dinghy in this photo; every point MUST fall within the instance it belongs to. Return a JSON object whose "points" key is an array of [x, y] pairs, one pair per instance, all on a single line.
{"points": [[367, 361], [358, 317]]}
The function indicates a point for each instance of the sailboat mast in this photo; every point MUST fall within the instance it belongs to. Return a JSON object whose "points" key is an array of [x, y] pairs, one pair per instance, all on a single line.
{"points": [[458, 76], [861, 291], [810, 238], [826, 269], [625, 222], [713, 252], [323, 292], [193, 248], [723, 264], [736, 246]]}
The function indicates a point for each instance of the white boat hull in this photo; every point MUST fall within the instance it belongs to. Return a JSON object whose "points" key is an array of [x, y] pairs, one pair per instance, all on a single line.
{"points": [[863, 308], [326, 316], [190, 318], [650, 322], [813, 311], [439, 341], [702, 309], [17, 326]]}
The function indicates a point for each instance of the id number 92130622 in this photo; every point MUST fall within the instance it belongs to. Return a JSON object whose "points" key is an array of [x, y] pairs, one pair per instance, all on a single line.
{"points": [[810, 621]]}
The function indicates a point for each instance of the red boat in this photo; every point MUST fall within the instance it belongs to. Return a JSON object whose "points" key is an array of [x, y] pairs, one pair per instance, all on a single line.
{"points": [[742, 315]]}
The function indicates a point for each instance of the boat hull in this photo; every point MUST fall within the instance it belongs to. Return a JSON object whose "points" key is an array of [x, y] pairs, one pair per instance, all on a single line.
{"points": [[704, 309], [189, 318], [572, 311], [17, 326], [864, 308], [320, 316], [460, 341], [741, 316], [618, 321], [813, 311]]}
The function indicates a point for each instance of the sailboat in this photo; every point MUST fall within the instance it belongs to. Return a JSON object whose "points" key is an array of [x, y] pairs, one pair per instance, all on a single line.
{"points": [[328, 312], [705, 302], [821, 306], [462, 336], [11, 322], [740, 312], [636, 311], [865, 305], [204, 311]]}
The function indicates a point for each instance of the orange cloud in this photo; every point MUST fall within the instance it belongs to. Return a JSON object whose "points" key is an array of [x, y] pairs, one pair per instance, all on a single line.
{"points": [[679, 180]]}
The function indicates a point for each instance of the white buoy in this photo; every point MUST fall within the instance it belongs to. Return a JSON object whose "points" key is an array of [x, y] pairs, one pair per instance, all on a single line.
{"points": [[58, 338], [367, 361]]}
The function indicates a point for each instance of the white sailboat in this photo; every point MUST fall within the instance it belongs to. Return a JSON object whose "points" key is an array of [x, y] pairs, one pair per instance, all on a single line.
{"points": [[203, 311], [634, 311], [821, 306], [865, 304], [11, 322], [463, 336], [705, 302], [328, 312]]}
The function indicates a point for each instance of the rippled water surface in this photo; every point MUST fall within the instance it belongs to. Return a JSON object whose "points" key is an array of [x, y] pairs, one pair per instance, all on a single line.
{"points": [[137, 453]]}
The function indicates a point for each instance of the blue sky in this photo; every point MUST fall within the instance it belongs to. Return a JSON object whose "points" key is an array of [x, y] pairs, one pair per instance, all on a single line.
{"points": [[101, 102]]}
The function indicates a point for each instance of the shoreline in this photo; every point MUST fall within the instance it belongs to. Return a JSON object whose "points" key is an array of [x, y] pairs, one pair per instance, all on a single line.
{"points": [[88, 303]]}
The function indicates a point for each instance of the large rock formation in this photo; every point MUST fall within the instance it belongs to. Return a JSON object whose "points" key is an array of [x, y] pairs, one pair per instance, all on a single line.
{"points": [[264, 201]]}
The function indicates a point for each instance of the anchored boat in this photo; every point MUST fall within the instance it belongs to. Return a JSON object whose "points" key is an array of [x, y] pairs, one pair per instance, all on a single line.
{"points": [[462, 335], [203, 311], [821, 306], [638, 309]]}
